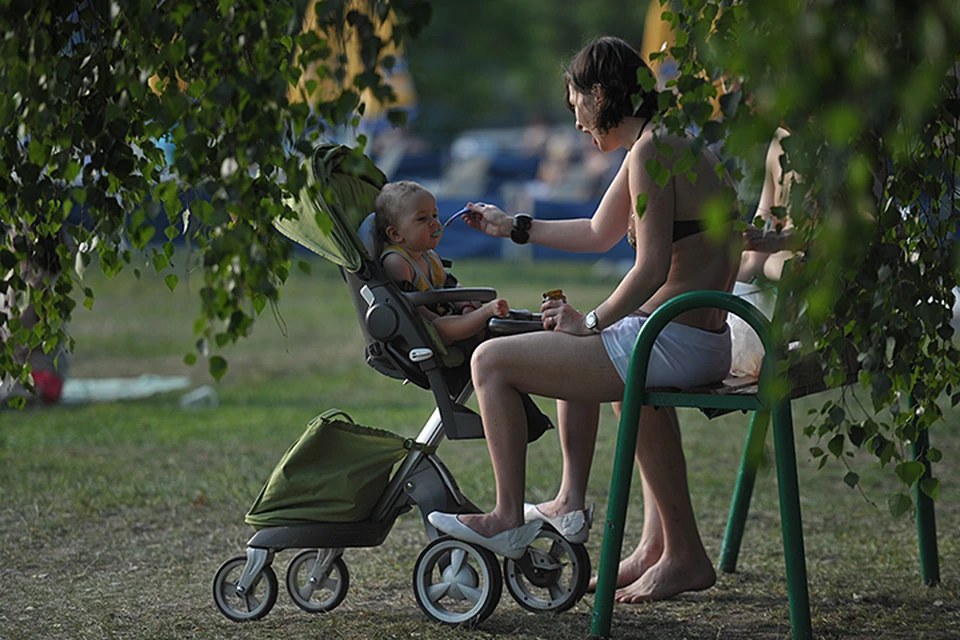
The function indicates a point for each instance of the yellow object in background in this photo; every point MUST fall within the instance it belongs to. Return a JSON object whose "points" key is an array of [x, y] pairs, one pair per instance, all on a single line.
{"points": [[346, 46], [658, 35]]}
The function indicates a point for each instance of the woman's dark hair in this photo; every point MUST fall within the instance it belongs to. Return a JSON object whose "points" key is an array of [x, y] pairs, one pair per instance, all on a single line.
{"points": [[611, 64]]}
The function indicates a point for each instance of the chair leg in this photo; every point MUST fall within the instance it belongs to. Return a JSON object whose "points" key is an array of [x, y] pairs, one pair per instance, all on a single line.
{"points": [[616, 514], [926, 520], [749, 464], [790, 521]]}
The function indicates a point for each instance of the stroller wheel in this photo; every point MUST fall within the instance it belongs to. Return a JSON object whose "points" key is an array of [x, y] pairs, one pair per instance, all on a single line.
{"points": [[240, 605], [552, 575], [456, 583], [316, 593]]}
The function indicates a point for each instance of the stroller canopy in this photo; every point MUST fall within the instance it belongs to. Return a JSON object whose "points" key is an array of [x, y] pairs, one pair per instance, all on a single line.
{"points": [[341, 190]]}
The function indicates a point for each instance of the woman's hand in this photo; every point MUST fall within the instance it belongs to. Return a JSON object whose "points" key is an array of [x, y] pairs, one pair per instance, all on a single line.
{"points": [[489, 219], [769, 241], [560, 316], [755, 239]]}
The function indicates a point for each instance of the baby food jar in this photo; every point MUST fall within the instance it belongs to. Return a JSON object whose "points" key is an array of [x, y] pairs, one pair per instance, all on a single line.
{"points": [[554, 294]]}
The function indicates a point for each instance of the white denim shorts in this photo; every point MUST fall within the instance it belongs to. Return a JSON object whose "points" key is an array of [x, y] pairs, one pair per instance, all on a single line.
{"points": [[682, 356]]}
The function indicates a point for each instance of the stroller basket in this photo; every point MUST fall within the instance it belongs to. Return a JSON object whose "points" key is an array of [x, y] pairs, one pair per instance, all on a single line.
{"points": [[335, 472]]}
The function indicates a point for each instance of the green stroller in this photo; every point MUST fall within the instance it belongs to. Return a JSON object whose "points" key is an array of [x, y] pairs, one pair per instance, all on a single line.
{"points": [[343, 485]]}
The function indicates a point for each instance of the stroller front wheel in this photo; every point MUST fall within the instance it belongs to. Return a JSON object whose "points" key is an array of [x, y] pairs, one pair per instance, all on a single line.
{"points": [[456, 583], [552, 576], [244, 605], [312, 592]]}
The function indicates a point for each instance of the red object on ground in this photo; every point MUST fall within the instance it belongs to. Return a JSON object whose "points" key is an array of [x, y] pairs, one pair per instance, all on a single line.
{"points": [[49, 386]]}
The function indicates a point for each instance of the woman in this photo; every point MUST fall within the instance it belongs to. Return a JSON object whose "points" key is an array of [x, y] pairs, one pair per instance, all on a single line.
{"points": [[582, 357]]}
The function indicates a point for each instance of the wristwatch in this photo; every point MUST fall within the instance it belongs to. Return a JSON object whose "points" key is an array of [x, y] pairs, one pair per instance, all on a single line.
{"points": [[590, 322], [520, 233]]}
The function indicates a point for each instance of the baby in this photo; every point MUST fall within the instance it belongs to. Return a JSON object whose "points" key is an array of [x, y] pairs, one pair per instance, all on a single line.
{"points": [[408, 231]]}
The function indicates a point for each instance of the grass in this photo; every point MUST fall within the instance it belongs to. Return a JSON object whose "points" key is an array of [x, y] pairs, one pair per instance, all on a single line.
{"points": [[116, 516]]}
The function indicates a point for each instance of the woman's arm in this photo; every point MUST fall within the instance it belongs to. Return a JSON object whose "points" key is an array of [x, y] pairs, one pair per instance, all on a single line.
{"points": [[776, 185], [654, 232], [597, 234]]}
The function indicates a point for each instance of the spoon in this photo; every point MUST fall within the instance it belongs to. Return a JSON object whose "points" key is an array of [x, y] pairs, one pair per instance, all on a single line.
{"points": [[455, 216]]}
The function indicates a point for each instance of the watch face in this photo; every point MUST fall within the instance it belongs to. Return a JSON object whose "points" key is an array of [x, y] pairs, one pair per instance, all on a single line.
{"points": [[591, 320]]}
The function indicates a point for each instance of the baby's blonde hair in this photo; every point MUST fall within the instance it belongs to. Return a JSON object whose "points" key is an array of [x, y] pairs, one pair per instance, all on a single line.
{"points": [[389, 206]]}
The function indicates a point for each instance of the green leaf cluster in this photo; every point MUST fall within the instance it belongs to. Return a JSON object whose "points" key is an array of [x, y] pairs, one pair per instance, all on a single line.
{"points": [[869, 93], [92, 93]]}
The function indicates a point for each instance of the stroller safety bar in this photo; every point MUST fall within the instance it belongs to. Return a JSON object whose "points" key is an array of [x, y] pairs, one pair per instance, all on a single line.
{"points": [[459, 294]]}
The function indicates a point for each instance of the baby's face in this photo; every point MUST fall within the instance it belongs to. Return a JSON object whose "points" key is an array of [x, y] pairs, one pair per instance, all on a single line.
{"points": [[419, 226]]}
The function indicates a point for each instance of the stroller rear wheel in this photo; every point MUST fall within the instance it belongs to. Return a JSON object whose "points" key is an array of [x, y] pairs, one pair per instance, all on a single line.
{"points": [[552, 575], [243, 605], [312, 592], [456, 583]]}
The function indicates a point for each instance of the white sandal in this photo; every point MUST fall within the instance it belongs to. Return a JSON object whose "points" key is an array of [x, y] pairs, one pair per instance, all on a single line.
{"points": [[574, 526], [511, 543]]}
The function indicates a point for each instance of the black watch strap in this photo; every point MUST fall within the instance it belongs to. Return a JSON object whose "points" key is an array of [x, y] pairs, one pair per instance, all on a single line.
{"points": [[520, 233]]}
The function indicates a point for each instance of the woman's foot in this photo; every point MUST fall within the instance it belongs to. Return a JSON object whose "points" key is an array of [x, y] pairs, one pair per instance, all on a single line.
{"points": [[633, 566], [510, 543], [572, 524], [668, 577], [558, 507], [487, 524]]}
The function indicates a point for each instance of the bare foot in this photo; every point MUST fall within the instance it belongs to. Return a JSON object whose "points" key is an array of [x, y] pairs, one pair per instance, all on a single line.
{"points": [[632, 567], [486, 524], [667, 578]]}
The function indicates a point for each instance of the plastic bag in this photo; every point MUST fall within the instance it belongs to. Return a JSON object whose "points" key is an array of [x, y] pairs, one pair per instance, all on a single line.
{"points": [[746, 349]]}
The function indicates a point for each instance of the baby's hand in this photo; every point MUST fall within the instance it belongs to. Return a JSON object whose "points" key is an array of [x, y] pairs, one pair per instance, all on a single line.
{"points": [[499, 308]]}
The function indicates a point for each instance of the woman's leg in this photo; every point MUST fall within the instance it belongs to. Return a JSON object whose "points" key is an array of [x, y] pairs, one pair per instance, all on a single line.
{"points": [[577, 425], [650, 547], [548, 364], [683, 564]]}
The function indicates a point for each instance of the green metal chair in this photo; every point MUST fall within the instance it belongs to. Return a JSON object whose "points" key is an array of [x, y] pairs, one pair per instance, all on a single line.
{"points": [[765, 400]]}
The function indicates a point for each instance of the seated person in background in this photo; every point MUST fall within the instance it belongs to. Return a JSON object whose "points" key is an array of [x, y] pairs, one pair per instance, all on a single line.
{"points": [[766, 250], [408, 231], [39, 270]]}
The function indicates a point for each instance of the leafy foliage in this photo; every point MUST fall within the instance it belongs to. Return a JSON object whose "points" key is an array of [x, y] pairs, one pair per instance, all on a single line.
{"points": [[91, 94], [869, 93]]}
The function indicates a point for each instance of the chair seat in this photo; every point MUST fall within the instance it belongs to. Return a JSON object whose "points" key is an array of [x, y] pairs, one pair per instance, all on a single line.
{"points": [[740, 392]]}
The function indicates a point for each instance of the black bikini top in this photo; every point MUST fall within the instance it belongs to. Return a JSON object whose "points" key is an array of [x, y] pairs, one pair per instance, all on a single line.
{"points": [[684, 228], [681, 228]]}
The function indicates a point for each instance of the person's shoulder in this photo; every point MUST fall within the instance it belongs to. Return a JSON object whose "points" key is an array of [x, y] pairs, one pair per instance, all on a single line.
{"points": [[657, 143], [396, 266]]}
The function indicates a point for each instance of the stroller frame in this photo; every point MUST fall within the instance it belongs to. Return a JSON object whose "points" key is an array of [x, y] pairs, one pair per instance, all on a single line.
{"points": [[455, 582]]}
